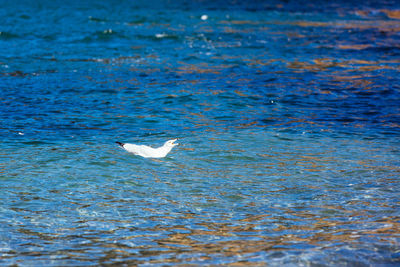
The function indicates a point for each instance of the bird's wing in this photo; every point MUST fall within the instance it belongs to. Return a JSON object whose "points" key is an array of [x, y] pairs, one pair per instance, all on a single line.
{"points": [[142, 150]]}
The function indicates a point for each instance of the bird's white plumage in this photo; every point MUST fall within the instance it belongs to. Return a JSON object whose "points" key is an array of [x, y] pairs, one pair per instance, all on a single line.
{"points": [[149, 152]]}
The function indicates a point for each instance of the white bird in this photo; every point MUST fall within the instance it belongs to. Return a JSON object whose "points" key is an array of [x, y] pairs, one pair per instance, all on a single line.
{"points": [[149, 152]]}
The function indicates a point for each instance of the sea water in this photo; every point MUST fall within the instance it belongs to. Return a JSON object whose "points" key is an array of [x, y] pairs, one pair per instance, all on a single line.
{"points": [[287, 115]]}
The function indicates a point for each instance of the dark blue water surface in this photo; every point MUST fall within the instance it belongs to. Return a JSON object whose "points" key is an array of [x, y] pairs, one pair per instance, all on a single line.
{"points": [[288, 115]]}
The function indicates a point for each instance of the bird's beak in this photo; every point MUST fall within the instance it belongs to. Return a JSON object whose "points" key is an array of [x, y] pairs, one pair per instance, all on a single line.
{"points": [[173, 142]]}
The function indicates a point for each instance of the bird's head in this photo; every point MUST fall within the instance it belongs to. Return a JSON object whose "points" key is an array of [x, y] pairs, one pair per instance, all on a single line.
{"points": [[171, 143]]}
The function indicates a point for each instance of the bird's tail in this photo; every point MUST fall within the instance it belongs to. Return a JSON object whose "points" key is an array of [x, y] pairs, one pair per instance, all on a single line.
{"points": [[121, 144]]}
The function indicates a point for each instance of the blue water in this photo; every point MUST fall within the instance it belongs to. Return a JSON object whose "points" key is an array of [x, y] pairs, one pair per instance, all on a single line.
{"points": [[287, 113]]}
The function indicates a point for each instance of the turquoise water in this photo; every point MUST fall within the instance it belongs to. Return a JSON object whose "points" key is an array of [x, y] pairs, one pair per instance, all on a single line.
{"points": [[287, 113]]}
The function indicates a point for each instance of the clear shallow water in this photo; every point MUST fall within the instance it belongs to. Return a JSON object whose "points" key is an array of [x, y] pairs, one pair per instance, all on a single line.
{"points": [[288, 117]]}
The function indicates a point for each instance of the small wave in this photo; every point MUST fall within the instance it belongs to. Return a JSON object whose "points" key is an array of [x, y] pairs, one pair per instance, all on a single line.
{"points": [[8, 35], [158, 37], [104, 35], [94, 19]]}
